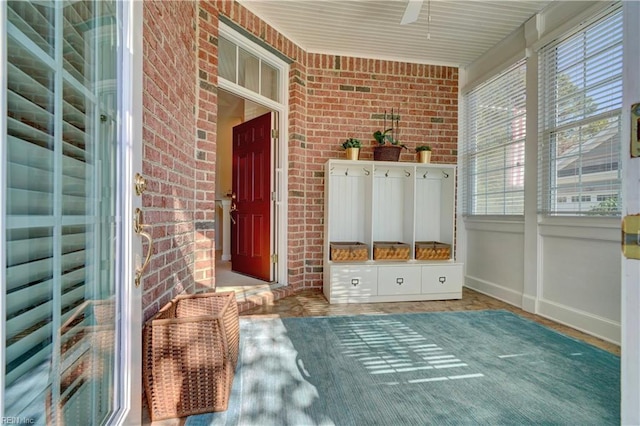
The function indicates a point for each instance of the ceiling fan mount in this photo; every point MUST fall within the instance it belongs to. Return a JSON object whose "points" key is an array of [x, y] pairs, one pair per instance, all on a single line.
{"points": [[412, 12]]}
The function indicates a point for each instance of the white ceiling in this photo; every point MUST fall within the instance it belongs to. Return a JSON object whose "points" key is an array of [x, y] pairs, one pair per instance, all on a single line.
{"points": [[459, 31]]}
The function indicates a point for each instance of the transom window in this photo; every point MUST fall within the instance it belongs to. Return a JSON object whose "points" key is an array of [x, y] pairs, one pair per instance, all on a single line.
{"points": [[247, 70]]}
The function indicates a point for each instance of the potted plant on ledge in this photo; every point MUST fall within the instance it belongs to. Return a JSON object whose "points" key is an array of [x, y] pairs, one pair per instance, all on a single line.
{"points": [[388, 148], [352, 147], [424, 153]]}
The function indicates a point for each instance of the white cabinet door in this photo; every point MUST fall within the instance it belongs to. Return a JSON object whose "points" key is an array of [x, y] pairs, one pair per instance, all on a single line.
{"points": [[442, 279], [351, 283], [395, 280]]}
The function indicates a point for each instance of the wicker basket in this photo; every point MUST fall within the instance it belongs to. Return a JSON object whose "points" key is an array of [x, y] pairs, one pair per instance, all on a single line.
{"points": [[387, 153], [348, 251], [432, 250], [190, 355], [390, 250]]}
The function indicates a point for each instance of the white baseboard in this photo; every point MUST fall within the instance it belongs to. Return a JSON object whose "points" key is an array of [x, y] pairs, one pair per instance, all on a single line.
{"points": [[602, 328], [529, 303], [494, 290]]}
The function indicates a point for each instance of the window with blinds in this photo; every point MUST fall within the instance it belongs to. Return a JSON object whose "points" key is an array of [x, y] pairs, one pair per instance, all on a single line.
{"points": [[493, 147], [580, 106], [58, 286]]}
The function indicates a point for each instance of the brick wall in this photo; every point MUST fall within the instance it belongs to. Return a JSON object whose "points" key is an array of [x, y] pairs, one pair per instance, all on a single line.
{"points": [[330, 98], [348, 97], [206, 112], [168, 150]]}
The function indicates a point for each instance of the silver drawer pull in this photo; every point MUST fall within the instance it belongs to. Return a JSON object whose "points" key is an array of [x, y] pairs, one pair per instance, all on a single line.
{"points": [[355, 282], [399, 281], [442, 280]]}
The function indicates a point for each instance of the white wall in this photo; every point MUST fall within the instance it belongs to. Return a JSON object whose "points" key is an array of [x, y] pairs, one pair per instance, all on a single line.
{"points": [[495, 258], [566, 269], [580, 274]]}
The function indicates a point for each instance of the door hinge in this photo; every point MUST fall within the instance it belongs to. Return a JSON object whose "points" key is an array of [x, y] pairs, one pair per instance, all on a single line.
{"points": [[273, 196], [274, 258], [275, 133], [631, 236]]}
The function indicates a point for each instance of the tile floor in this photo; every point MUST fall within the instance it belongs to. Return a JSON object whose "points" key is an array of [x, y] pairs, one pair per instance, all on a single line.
{"points": [[312, 303]]}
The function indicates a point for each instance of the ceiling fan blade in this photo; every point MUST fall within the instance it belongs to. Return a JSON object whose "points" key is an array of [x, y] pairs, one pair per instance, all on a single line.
{"points": [[412, 12]]}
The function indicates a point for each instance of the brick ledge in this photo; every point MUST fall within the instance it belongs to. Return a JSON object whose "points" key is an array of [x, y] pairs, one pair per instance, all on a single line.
{"points": [[265, 297]]}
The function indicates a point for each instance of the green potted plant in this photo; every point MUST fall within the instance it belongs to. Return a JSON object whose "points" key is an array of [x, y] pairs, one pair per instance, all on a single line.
{"points": [[388, 148], [382, 137], [352, 147], [424, 153]]}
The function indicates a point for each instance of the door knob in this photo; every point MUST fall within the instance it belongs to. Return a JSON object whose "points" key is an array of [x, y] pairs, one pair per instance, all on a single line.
{"points": [[234, 206]]}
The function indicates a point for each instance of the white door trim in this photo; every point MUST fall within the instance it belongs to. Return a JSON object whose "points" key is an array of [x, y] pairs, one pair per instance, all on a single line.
{"points": [[630, 277], [129, 382], [280, 175]]}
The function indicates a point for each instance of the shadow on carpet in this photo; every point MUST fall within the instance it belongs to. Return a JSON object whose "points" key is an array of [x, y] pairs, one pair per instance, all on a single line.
{"points": [[475, 367]]}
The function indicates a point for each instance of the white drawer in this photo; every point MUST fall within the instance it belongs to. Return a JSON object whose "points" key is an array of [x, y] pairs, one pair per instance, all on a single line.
{"points": [[353, 283], [442, 278], [394, 280]]}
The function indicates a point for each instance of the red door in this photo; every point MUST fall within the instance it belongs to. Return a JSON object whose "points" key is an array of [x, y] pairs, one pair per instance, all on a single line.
{"points": [[251, 207]]}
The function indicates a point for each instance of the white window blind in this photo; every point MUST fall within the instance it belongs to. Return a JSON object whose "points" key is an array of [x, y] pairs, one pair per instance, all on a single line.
{"points": [[493, 147], [580, 106]]}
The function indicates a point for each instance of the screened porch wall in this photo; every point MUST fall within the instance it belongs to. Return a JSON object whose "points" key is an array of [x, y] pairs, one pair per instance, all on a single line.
{"points": [[564, 268]]}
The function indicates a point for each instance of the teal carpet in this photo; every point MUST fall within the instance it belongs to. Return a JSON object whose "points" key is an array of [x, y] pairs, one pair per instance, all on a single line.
{"points": [[458, 368]]}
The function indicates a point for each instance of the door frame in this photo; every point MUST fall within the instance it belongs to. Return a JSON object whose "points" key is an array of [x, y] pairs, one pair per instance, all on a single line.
{"points": [[280, 152], [630, 276], [128, 385]]}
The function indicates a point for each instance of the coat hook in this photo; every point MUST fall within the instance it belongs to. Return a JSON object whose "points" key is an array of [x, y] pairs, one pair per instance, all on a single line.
{"points": [[446, 175], [386, 174], [424, 176], [346, 172], [407, 174], [366, 172]]}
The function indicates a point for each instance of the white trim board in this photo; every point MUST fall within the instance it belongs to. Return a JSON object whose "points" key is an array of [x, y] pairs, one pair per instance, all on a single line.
{"points": [[593, 325], [602, 328], [508, 295]]}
